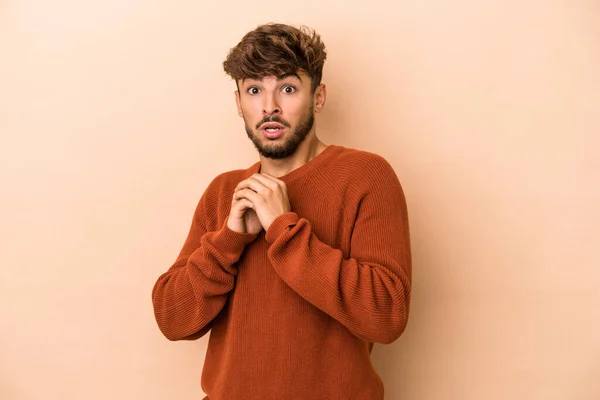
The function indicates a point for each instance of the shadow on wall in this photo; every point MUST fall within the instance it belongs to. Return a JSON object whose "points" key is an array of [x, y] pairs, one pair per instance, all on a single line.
{"points": [[400, 364]]}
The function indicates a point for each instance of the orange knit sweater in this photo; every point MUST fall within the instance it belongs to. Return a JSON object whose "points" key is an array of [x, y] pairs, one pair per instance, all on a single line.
{"points": [[293, 312]]}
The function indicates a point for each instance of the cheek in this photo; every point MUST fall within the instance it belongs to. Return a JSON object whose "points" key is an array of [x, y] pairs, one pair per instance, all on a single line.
{"points": [[298, 110], [250, 113]]}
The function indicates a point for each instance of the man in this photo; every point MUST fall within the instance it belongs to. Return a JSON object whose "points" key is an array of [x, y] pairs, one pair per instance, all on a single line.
{"points": [[298, 264]]}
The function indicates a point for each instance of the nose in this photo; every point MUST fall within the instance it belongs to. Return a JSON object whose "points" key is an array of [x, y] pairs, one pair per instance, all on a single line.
{"points": [[270, 105]]}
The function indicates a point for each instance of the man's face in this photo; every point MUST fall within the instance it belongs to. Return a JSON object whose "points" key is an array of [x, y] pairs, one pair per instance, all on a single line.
{"points": [[278, 112]]}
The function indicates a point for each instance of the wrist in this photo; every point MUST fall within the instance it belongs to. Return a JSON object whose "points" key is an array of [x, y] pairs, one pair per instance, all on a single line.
{"points": [[280, 224]]}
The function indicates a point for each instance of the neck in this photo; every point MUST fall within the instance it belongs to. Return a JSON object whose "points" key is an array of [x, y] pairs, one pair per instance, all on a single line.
{"points": [[310, 147]]}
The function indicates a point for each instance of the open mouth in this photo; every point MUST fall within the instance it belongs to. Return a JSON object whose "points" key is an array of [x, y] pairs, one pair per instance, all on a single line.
{"points": [[272, 130], [272, 127]]}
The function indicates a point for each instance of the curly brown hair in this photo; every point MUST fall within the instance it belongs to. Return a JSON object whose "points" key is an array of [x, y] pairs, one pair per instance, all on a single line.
{"points": [[277, 50]]}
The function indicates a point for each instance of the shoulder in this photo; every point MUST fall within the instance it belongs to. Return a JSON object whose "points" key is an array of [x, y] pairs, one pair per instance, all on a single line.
{"points": [[364, 168], [216, 198], [224, 183], [228, 179], [369, 180]]}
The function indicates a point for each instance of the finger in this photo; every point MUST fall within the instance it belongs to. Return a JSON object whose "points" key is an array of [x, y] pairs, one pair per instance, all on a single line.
{"points": [[271, 178], [251, 183], [247, 194], [268, 180], [245, 203], [238, 199], [240, 206]]}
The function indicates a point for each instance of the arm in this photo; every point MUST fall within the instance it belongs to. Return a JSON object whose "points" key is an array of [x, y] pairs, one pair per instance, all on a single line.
{"points": [[193, 291], [369, 292]]}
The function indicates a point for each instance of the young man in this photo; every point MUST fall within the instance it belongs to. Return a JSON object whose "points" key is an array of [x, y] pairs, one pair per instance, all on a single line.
{"points": [[298, 264]]}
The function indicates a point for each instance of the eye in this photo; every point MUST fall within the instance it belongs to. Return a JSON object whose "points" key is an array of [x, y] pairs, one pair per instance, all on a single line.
{"points": [[289, 89], [253, 90]]}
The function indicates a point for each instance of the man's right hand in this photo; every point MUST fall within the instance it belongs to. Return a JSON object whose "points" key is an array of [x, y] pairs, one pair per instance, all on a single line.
{"points": [[242, 218]]}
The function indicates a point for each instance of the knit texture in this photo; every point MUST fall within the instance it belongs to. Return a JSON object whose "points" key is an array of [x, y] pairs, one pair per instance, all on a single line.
{"points": [[293, 312]]}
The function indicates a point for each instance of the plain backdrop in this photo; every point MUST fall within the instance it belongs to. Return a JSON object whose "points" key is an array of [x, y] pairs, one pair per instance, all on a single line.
{"points": [[115, 115]]}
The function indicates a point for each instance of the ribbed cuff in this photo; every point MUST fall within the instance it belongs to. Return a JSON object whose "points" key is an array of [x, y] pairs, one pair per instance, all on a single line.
{"points": [[279, 224], [232, 242]]}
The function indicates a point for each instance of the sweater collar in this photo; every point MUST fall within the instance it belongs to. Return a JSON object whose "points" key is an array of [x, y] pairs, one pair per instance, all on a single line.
{"points": [[329, 152]]}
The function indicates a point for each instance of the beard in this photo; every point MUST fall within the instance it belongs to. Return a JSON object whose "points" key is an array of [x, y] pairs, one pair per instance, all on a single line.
{"points": [[290, 143]]}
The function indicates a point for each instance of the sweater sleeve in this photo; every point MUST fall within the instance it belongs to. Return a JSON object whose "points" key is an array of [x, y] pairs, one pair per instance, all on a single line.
{"points": [[192, 292], [368, 292]]}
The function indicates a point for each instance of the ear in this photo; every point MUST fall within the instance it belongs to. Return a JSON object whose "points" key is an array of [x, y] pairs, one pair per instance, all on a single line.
{"points": [[320, 97], [238, 104]]}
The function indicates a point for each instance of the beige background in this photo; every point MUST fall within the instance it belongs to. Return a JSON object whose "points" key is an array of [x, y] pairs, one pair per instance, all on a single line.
{"points": [[114, 116]]}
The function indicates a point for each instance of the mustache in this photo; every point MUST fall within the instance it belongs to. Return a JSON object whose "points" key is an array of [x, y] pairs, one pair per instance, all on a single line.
{"points": [[273, 118]]}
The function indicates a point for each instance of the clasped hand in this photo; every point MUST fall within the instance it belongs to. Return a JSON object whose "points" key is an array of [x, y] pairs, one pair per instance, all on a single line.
{"points": [[256, 202]]}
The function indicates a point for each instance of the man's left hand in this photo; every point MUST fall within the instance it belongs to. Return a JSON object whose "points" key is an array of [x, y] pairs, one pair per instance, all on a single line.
{"points": [[268, 195]]}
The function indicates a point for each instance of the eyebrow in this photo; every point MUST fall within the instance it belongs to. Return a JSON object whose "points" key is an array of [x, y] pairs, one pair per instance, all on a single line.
{"points": [[282, 77], [279, 78]]}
